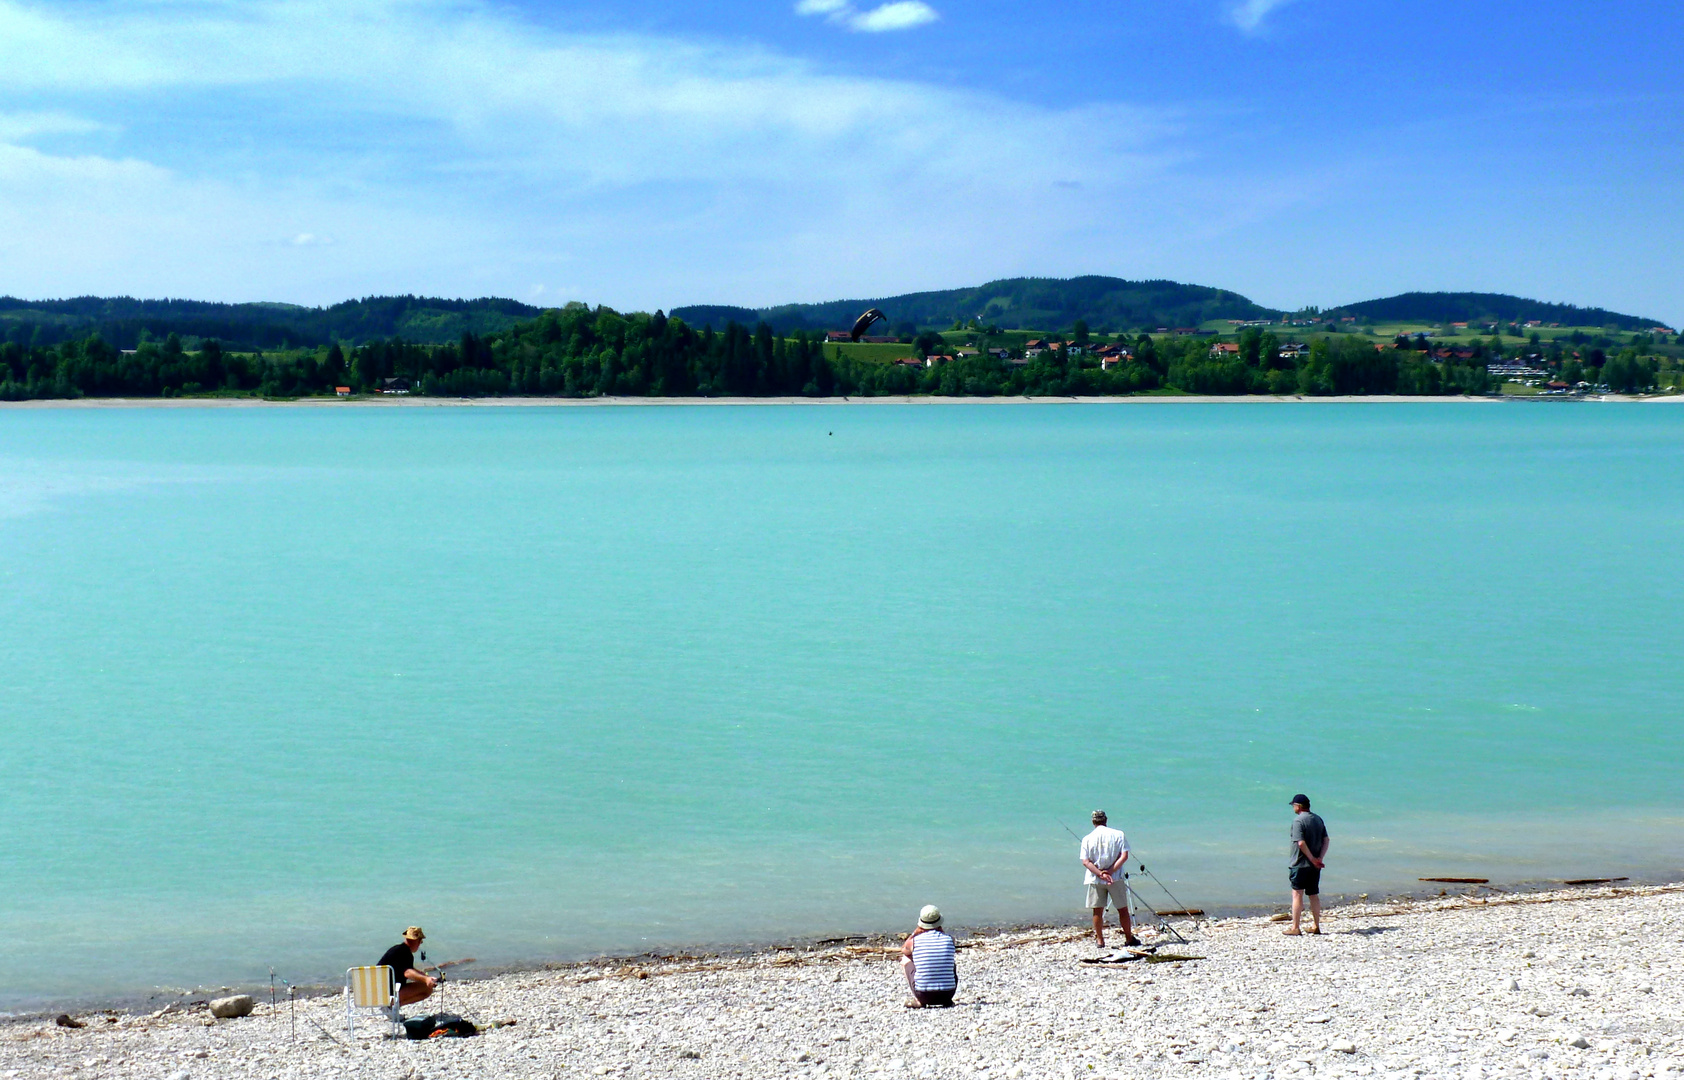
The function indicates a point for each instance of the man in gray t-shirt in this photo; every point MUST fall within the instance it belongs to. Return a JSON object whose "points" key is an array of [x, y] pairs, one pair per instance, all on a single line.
{"points": [[1309, 848]]}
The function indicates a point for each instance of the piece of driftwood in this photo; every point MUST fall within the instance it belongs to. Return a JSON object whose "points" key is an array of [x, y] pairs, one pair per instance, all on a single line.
{"points": [[1594, 880], [1113, 959], [1186, 913], [1459, 880]]}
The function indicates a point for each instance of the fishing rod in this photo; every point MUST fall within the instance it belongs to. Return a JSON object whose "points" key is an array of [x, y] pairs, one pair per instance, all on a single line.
{"points": [[444, 972], [1162, 886], [1163, 923]]}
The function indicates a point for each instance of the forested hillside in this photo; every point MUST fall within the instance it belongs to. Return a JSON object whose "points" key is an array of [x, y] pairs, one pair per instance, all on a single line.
{"points": [[1479, 309], [124, 323], [1105, 303]]}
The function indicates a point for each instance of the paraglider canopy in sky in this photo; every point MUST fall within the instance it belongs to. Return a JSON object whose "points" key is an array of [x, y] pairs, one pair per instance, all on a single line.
{"points": [[863, 323]]}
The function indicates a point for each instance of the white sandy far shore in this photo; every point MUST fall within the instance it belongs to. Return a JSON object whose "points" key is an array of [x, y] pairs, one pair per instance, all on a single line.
{"points": [[415, 401]]}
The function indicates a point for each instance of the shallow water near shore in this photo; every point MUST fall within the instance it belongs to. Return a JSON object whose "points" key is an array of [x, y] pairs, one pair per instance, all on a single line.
{"points": [[552, 682]]}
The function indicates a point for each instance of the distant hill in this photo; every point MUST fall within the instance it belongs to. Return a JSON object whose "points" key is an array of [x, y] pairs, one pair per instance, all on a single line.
{"points": [[1444, 307], [1052, 304], [1106, 303], [122, 320]]}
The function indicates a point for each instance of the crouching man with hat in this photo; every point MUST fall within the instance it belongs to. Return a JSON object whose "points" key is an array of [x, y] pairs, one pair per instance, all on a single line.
{"points": [[928, 961], [411, 983]]}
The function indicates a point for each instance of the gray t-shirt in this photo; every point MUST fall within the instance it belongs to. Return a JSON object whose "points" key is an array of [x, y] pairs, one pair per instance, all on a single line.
{"points": [[1312, 830]]}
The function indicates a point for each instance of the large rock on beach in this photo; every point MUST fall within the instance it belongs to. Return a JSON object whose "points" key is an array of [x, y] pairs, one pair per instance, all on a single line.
{"points": [[230, 1007]]}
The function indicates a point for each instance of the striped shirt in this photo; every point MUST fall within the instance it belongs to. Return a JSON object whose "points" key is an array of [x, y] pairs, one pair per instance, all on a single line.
{"points": [[932, 962]]}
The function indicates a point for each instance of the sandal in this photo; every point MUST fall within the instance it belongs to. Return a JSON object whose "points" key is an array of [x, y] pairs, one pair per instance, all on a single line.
{"points": [[1293, 933]]}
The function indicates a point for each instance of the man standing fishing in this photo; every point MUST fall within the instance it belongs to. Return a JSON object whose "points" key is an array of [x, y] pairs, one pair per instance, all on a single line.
{"points": [[1104, 851], [1309, 848]]}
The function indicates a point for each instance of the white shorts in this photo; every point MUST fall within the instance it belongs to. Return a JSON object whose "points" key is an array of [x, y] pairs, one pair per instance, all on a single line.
{"points": [[1116, 893]]}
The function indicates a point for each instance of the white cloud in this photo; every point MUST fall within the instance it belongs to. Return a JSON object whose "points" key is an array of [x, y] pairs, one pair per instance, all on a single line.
{"points": [[450, 147], [18, 126], [900, 15], [896, 15], [1249, 14]]}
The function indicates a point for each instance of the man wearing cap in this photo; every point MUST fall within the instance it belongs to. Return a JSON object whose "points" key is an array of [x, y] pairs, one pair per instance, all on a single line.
{"points": [[1309, 848], [412, 983], [1104, 851], [927, 960]]}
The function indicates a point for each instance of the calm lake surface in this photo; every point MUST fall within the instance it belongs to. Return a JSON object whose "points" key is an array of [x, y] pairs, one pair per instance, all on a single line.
{"points": [[275, 683]]}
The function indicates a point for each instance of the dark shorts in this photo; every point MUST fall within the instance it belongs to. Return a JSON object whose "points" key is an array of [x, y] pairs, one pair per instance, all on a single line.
{"points": [[1305, 879], [934, 999]]}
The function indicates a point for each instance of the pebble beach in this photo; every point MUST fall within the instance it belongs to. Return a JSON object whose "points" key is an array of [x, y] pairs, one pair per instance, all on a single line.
{"points": [[1581, 983]]}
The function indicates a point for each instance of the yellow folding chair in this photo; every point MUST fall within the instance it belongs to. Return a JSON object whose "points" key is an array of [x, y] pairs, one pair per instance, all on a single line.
{"points": [[370, 988]]}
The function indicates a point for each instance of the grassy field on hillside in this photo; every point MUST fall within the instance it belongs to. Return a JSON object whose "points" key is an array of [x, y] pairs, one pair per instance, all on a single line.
{"points": [[883, 354]]}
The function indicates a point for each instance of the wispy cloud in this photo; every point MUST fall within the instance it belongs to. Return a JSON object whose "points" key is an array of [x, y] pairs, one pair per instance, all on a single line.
{"points": [[1249, 14], [15, 126], [896, 15], [449, 146]]}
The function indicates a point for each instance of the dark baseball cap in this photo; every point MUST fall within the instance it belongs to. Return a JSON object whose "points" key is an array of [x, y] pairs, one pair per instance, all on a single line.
{"points": [[1301, 800]]}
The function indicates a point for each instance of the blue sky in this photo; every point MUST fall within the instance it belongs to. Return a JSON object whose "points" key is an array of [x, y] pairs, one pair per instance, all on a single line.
{"points": [[650, 155]]}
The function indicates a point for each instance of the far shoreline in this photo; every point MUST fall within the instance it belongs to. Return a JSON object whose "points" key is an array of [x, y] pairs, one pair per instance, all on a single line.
{"points": [[417, 401]]}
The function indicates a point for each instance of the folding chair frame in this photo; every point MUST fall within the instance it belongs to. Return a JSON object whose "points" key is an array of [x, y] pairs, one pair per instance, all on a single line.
{"points": [[363, 983]]}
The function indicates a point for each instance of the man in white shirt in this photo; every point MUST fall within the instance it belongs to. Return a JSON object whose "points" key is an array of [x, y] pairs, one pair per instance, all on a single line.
{"points": [[1104, 851]]}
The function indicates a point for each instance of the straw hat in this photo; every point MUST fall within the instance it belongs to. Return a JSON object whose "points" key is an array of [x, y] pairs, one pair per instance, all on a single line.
{"points": [[930, 917], [414, 934]]}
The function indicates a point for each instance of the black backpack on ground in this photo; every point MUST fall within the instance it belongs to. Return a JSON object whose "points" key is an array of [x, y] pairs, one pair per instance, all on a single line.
{"points": [[439, 1026]]}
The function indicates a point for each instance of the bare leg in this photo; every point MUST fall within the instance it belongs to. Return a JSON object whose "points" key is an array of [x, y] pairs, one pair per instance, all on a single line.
{"points": [[1297, 909], [1099, 926], [1126, 925], [1315, 914], [411, 992], [909, 969]]}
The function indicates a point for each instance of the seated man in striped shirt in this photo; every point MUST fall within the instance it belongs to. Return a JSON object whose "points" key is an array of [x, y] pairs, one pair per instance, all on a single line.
{"points": [[927, 960]]}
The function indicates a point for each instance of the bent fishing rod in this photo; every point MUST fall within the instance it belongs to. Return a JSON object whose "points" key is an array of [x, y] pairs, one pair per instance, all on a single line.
{"points": [[1163, 923]]}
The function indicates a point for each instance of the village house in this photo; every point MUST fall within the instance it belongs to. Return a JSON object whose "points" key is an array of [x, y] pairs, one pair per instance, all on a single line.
{"points": [[1225, 348]]}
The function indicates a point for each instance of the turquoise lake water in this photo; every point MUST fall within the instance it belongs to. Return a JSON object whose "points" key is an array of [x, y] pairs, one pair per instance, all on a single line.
{"points": [[275, 683]]}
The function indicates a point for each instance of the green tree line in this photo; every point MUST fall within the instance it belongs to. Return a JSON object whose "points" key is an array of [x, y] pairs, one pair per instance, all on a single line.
{"points": [[579, 351]]}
